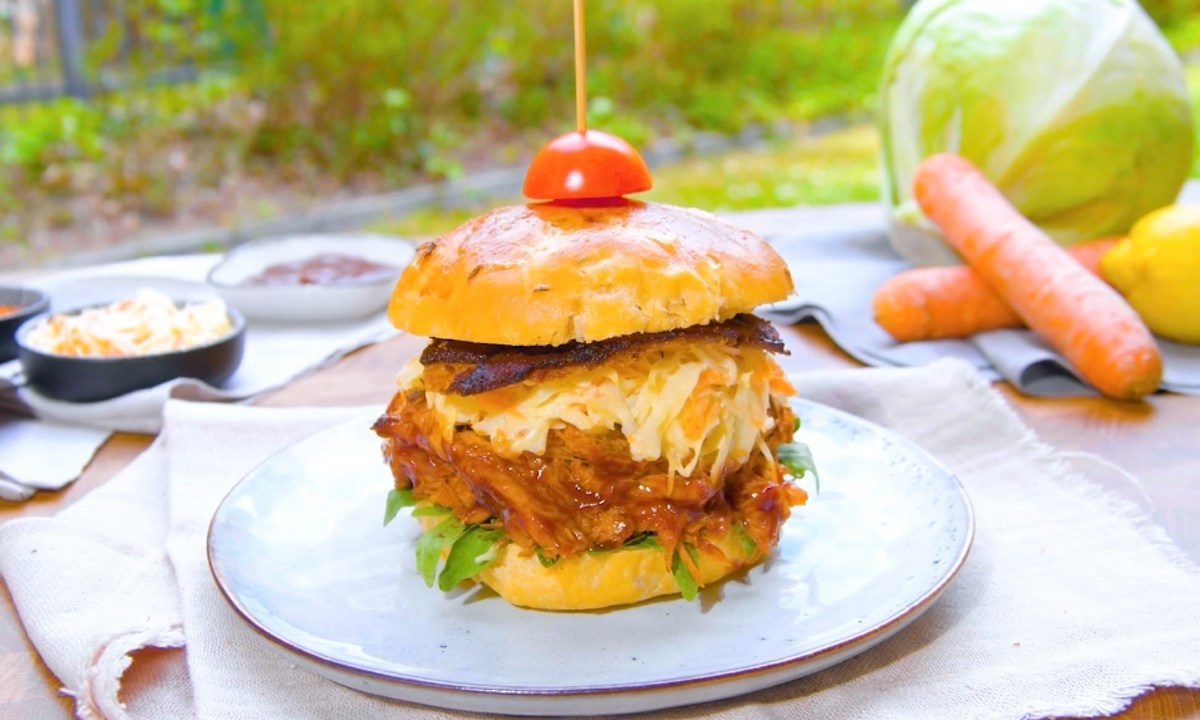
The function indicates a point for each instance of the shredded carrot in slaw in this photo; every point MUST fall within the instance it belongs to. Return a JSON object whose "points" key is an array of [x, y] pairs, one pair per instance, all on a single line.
{"points": [[149, 323]]}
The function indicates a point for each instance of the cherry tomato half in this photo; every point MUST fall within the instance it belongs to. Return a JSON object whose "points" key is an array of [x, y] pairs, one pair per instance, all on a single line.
{"points": [[580, 166]]}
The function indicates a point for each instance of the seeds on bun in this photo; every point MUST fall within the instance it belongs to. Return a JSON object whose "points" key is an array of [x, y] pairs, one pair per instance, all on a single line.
{"points": [[595, 419]]}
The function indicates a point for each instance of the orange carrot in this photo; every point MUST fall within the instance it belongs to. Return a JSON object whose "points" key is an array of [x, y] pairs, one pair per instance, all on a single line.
{"points": [[932, 303], [1087, 321]]}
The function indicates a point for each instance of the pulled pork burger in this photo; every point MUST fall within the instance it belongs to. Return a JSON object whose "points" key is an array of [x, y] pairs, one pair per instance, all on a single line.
{"points": [[597, 418]]}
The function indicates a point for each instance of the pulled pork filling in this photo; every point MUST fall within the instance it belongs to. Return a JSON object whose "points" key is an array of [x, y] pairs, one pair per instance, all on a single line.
{"points": [[584, 487]]}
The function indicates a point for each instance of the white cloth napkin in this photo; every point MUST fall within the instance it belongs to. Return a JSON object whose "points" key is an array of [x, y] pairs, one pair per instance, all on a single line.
{"points": [[1071, 603], [43, 455], [274, 354], [838, 256]]}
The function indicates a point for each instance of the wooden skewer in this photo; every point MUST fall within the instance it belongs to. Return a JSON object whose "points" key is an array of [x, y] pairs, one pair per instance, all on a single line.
{"points": [[580, 73]]}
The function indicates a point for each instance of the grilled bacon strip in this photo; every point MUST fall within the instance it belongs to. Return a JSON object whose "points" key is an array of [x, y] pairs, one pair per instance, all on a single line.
{"points": [[488, 367]]}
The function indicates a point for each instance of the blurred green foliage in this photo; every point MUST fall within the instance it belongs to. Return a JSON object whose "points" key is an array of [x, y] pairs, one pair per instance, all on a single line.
{"points": [[401, 88], [400, 92], [835, 167], [1193, 82], [378, 93], [1168, 13]]}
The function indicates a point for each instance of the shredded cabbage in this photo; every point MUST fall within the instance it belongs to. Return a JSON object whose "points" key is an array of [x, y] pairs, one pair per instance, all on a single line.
{"points": [[683, 403], [148, 323]]}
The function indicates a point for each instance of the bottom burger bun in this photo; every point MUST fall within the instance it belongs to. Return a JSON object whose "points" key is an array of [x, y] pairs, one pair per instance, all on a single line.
{"points": [[600, 579]]}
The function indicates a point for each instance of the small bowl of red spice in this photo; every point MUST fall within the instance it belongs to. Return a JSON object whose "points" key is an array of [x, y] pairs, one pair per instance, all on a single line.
{"points": [[17, 304], [311, 278]]}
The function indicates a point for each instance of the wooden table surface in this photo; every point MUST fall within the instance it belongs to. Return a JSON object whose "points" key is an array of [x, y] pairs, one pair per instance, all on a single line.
{"points": [[1156, 440]]}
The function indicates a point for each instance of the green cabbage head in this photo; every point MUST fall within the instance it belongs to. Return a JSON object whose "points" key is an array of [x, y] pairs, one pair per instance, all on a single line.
{"points": [[1077, 110]]}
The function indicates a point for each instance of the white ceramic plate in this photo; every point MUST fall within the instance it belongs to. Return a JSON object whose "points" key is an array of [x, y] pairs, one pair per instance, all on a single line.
{"points": [[308, 303], [299, 550]]}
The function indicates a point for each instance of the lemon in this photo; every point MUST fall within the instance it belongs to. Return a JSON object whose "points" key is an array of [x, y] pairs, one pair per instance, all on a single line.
{"points": [[1157, 269]]}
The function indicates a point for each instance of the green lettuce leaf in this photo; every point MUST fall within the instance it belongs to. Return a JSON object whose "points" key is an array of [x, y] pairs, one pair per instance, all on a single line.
{"points": [[688, 587], [748, 544], [468, 548], [641, 540], [471, 552], [798, 459], [432, 542], [396, 501], [430, 511]]}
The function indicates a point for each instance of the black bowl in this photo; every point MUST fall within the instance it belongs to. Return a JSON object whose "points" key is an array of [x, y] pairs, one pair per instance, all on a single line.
{"points": [[90, 379], [31, 302]]}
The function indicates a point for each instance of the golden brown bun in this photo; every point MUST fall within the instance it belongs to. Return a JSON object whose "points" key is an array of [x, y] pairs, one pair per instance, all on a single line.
{"points": [[547, 274], [589, 581]]}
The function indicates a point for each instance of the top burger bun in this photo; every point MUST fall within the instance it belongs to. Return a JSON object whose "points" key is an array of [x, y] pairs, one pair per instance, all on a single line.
{"points": [[548, 274]]}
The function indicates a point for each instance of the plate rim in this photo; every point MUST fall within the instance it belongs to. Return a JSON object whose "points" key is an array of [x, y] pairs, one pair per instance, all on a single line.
{"points": [[349, 242], [822, 657]]}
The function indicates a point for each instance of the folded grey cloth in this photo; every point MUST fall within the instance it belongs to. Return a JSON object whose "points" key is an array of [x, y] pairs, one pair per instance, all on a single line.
{"points": [[840, 257]]}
